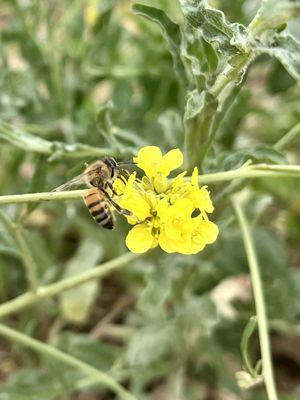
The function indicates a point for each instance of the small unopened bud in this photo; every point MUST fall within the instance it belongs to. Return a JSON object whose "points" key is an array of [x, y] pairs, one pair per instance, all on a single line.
{"points": [[246, 381], [160, 183]]}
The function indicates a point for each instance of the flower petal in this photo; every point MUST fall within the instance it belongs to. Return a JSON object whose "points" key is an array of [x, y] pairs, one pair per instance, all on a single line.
{"points": [[135, 203], [140, 239], [201, 199], [149, 159], [167, 244], [194, 178], [182, 245], [204, 201], [206, 232], [172, 160]]}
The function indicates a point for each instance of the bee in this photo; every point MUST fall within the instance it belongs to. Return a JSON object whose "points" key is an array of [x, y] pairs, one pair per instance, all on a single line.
{"points": [[100, 176]]}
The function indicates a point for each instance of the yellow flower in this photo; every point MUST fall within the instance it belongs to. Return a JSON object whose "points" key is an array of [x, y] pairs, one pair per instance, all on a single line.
{"points": [[91, 13], [200, 196], [156, 166], [140, 238], [151, 160], [168, 213]]}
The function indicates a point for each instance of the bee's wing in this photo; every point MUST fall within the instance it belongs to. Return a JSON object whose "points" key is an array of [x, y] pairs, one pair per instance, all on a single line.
{"points": [[78, 180]]}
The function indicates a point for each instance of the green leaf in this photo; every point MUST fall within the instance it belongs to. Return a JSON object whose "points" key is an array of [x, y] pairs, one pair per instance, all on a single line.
{"points": [[285, 48], [279, 286], [199, 313], [157, 289], [210, 56], [116, 137], [97, 354], [171, 33], [259, 154], [247, 334], [273, 14], [75, 303], [103, 120], [34, 384], [31, 143], [229, 39], [171, 124], [24, 140], [195, 103], [151, 343]]}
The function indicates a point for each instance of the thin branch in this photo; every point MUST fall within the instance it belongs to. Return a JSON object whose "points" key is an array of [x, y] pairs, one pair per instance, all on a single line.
{"points": [[27, 299], [259, 302], [63, 358], [46, 196], [26, 256], [253, 171], [288, 137], [18, 137], [245, 172]]}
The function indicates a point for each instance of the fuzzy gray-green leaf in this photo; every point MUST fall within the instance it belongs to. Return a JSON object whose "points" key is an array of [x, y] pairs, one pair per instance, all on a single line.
{"points": [[170, 31], [75, 303], [285, 48], [273, 14], [229, 38], [17, 137]]}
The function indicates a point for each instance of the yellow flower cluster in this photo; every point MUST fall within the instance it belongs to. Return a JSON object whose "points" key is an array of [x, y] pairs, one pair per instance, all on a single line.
{"points": [[91, 13], [169, 213]]}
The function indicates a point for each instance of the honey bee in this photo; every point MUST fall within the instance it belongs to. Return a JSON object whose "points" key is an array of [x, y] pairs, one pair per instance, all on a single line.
{"points": [[100, 176]]}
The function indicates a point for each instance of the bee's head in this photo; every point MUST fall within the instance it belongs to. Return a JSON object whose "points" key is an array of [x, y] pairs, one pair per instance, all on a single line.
{"points": [[110, 162], [112, 165]]}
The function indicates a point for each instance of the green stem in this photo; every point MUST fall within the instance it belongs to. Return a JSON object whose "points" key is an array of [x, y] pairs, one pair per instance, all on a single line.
{"points": [[28, 261], [245, 172], [66, 359], [17, 136], [219, 117], [252, 171], [259, 302], [202, 127], [27, 299], [288, 138], [46, 196]]}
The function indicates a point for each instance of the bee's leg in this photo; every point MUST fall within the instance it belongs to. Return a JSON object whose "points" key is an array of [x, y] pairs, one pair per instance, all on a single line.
{"points": [[123, 179], [125, 173], [113, 203], [109, 184]]}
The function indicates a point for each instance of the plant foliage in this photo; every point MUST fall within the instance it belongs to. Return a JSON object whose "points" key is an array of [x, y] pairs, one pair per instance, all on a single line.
{"points": [[81, 80]]}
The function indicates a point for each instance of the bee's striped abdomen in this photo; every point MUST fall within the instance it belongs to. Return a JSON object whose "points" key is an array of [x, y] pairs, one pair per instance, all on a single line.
{"points": [[99, 209]]}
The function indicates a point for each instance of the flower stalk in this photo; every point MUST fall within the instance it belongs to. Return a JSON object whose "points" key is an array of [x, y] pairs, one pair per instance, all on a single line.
{"points": [[288, 137], [245, 172], [43, 292], [267, 368], [26, 256], [66, 359]]}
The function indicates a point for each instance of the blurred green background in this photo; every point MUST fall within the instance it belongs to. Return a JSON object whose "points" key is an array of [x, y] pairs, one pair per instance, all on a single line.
{"points": [[91, 78]]}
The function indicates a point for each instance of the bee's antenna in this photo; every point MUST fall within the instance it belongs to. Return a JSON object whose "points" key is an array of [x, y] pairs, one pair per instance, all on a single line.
{"points": [[126, 163]]}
